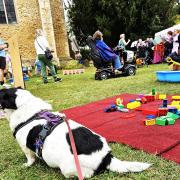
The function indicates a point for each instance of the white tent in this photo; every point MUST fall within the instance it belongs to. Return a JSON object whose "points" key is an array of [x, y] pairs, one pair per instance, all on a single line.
{"points": [[164, 32]]}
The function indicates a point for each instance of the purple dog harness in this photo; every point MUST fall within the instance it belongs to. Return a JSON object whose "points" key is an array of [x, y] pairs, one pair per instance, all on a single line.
{"points": [[52, 122]]}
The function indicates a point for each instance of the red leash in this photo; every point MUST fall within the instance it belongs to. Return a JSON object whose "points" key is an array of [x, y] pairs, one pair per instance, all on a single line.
{"points": [[74, 151]]}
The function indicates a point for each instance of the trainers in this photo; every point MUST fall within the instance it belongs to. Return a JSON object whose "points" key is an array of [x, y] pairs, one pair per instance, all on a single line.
{"points": [[6, 85], [57, 79]]}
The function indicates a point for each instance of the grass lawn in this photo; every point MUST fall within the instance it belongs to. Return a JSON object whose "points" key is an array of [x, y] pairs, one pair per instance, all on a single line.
{"points": [[78, 90]]}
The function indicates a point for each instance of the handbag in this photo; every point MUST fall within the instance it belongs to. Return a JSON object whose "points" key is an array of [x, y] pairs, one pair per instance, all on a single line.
{"points": [[48, 53]]}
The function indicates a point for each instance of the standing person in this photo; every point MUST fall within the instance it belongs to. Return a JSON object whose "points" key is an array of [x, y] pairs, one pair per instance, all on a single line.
{"points": [[3, 46], [122, 43], [41, 45], [105, 51], [158, 53], [175, 41]]}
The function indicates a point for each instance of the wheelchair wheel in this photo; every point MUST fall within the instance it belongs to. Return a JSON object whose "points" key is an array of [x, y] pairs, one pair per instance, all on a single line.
{"points": [[131, 71], [103, 75], [96, 76]]}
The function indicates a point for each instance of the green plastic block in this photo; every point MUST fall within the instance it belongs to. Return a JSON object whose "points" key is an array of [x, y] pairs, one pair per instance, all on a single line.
{"points": [[161, 121], [121, 106], [172, 115], [170, 121]]}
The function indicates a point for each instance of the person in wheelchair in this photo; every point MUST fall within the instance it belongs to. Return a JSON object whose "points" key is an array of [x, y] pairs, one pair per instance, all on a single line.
{"points": [[106, 52]]}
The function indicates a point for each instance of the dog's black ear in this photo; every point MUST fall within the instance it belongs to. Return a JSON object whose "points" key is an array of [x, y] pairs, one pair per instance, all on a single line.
{"points": [[6, 96], [19, 87]]}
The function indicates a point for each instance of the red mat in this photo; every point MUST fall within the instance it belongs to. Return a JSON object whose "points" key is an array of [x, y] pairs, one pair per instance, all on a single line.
{"points": [[128, 128]]}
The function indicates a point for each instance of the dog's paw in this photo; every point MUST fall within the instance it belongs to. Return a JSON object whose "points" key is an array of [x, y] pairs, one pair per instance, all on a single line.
{"points": [[27, 165], [138, 167]]}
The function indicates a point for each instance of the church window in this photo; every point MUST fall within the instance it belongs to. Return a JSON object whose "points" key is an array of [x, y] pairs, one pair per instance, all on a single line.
{"points": [[7, 12]]}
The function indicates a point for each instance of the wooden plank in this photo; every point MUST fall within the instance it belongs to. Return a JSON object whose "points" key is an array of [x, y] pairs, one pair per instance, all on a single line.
{"points": [[16, 62]]}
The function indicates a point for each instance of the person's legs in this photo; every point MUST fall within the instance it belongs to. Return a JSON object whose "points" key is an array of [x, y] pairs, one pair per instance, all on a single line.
{"points": [[42, 60], [2, 68], [52, 70], [117, 63]]}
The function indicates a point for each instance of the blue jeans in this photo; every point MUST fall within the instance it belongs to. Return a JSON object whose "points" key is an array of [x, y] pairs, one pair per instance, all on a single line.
{"points": [[117, 63]]}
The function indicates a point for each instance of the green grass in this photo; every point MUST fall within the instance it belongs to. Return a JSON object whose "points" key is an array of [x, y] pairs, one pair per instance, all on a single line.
{"points": [[78, 90]]}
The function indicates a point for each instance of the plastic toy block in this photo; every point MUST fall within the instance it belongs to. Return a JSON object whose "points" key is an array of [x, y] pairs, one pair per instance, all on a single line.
{"points": [[150, 116], [150, 111], [161, 121], [111, 108], [121, 106], [153, 91], [165, 121], [133, 105], [172, 115], [162, 96], [176, 106], [149, 122], [172, 109], [143, 100], [74, 71], [170, 121], [178, 113], [175, 103], [131, 100], [175, 97], [165, 103], [138, 99], [149, 98], [119, 102], [156, 96], [162, 111], [122, 109]]}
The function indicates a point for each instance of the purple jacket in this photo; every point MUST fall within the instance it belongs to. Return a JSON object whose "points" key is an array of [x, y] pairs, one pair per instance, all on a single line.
{"points": [[105, 51]]}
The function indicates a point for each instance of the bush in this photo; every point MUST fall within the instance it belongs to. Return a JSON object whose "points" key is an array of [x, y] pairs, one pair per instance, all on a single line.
{"points": [[85, 56]]}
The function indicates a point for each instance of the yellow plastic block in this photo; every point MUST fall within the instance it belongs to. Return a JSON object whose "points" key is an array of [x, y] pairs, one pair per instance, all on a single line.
{"points": [[149, 122], [162, 96], [176, 97], [133, 105], [175, 103]]}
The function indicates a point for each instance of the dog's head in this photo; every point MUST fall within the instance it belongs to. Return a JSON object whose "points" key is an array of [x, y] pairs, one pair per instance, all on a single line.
{"points": [[13, 98], [8, 98]]}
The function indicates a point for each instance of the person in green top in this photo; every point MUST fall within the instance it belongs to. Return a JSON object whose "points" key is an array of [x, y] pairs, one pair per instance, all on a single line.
{"points": [[122, 44]]}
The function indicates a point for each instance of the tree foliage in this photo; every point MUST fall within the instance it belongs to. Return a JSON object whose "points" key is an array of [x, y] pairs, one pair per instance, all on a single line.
{"points": [[135, 18]]}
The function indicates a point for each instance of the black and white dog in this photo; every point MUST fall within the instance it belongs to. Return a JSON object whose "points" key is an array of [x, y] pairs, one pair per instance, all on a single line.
{"points": [[93, 151]]}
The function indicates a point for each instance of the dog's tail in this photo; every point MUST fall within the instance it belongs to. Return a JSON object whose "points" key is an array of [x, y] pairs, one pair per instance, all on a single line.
{"points": [[124, 166]]}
